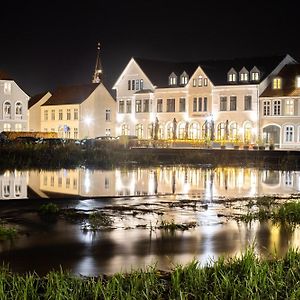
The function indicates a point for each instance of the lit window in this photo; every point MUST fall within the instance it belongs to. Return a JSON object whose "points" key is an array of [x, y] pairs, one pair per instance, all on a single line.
{"points": [[298, 81], [254, 76], [138, 106], [172, 80], [244, 76], [289, 107], [277, 83], [18, 127], [7, 88], [194, 82], [232, 77], [7, 127], [139, 130], [184, 80], [137, 84], [7, 110], [200, 81], [205, 81], [107, 132]]}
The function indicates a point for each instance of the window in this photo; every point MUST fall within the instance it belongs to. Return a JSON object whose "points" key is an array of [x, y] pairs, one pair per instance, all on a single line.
{"points": [[107, 132], [267, 108], [289, 107], [173, 79], [232, 104], [141, 84], [75, 183], [125, 129], [106, 183], [18, 127], [232, 77], [107, 115], [137, 84], [138, 106], [276, 107], [223, 103], [194, 82], [121, 106], [195, 104], [182, 104], [128, 106], [298, 81], [52, 181], [159, 105], [52, 114], [76, 114], [146, 105], [68, 181], [7, 127], [205, 81], [277, 83], [75, 133], [45, 180], [289, 133], [129, 85], [46, 115], [7, 110], [7, 88], [68, 114], [133, 84], [18, 110], [200, 81], [170, 105], [205, 104], [200, 104], [254, 76], [248, 103], [244, 76], [59, 181], [139, 130], [184, 78]]}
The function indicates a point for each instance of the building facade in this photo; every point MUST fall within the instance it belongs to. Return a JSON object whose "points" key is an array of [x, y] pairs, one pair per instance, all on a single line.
{"points": [[209, 100], [14, 105], [280, 109]]}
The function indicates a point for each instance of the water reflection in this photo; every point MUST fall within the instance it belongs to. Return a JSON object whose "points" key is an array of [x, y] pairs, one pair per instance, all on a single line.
{"points": [[210, 183]]}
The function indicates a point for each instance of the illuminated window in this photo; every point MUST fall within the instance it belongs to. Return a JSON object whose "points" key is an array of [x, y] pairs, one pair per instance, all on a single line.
{"points": [[254, 76], [137, 84], [298, 81], [244, 77], [139, 130], [173, 79], [194, 82], [7, 88], [289, 107], [205, 81], [159, 105], [7, 127], [232, 77], [141, 84], [18, 127], [125, 129], [60, 114], [138, 106], [75, 113], [277, 83], [200, 81]]}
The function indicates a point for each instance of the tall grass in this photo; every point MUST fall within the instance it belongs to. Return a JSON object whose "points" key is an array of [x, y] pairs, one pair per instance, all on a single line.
{"points": [[245, 277]]}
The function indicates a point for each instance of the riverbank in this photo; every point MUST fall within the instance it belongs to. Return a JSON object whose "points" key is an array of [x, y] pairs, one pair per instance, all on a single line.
{"points": [[247, 277], [107, 155]]}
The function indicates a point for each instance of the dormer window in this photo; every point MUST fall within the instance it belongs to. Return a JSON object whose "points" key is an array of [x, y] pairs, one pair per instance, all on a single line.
{"points": [[232, 75], [298, 81], [244, 75], [173, 79], [255, 74], [277, 83], [184, 78]]}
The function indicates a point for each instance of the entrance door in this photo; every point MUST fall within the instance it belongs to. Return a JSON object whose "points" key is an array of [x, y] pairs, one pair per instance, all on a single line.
{"points": [[271, 135]]}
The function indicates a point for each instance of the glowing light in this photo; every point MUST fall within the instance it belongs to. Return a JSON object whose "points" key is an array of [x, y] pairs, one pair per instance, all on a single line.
{"points": [[88, 120], [133, 119]]}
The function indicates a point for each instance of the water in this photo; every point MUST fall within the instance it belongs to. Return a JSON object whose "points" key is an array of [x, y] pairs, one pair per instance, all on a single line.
{"points": [[137, 200]]}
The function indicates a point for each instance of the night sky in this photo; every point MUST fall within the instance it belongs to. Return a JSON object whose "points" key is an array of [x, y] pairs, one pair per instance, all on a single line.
{"points": [[46, 44]]}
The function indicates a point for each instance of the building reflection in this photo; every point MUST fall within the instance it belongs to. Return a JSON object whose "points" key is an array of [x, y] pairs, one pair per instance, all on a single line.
{"points": [[170, 180], [13, 185]]}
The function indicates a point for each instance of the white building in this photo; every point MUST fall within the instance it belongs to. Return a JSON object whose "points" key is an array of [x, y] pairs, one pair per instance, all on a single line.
{"points": [[215, 100], [14, 103]]}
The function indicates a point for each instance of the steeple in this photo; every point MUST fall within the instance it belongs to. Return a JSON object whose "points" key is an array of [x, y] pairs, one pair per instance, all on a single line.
{"points": [[98, 67]]}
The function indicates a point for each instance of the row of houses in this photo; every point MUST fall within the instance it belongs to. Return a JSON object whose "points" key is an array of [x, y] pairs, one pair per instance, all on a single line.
{"points": [[251, 100]]}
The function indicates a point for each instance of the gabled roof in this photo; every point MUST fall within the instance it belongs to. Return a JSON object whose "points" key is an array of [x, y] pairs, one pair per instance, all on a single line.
{"points": [[288, 76], [217, 70], [35, 99], [71, 94]]}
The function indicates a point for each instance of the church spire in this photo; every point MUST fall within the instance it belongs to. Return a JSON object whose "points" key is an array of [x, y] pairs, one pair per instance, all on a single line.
{"points": [[97, 78]]}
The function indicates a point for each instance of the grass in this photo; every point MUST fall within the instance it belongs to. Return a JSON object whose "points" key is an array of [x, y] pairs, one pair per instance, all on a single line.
{"points": [[98, 221], [245, 277], [49, 209], [287, 213], [172, 226], [7, 232]]}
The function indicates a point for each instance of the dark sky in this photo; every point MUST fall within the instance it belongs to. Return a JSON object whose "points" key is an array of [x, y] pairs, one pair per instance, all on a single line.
{"points": [[45, 44]]}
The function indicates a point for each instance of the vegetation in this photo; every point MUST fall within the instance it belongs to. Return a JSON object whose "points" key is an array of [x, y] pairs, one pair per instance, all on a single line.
{"points": [[97, 221], [172, 226], [49, 209], [287, 213], [7, 232], [247, 277]]}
